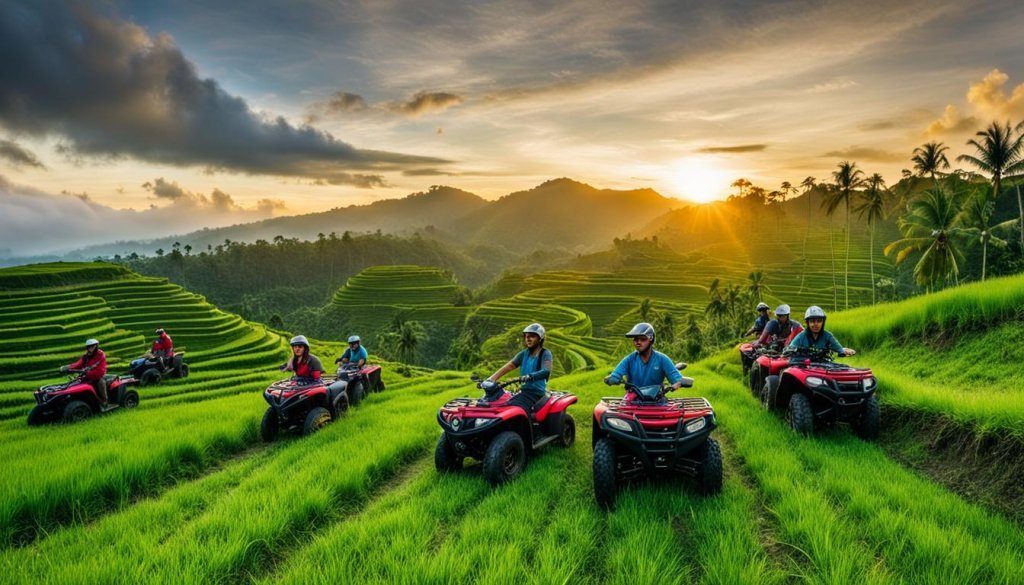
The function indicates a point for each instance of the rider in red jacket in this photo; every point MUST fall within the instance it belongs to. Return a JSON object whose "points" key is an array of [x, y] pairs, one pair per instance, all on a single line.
{"points": [[163, 347], [94, 361], [303, 363]]}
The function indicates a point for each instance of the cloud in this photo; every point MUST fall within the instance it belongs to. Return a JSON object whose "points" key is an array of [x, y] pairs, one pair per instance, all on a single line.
{"points": [[989, 99], [732, 149], [18, 156], [36, 222], [866, 153], [422, 102], [109, 89], [951, 122], [425, 102], [878, 125]]}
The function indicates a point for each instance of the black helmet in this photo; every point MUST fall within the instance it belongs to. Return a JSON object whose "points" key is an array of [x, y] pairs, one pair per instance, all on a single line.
{"points": [[642, 330]]}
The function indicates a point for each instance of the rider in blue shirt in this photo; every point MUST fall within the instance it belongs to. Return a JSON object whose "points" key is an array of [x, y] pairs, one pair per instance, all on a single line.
{"points": [[534, 364], [760, 322], [645, 366], [355, 354], [816, 337]]}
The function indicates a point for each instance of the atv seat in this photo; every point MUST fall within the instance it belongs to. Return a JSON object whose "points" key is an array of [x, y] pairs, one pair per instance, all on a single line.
{"points": [[109, 378], [540, 403]]}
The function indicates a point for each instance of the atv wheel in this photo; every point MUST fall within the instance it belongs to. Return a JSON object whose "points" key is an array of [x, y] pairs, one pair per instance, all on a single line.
{"points": [[770, 392], [35, 416], [755, 380], [604, 474], [505, 458], [355, 394], [568, 431], [269, 426], [709, 474], [150, 377], [76, 411], [341, 407], [445, 458], [799, 415], [183, 371], [129, 399], [867, 422], [316, 420]]}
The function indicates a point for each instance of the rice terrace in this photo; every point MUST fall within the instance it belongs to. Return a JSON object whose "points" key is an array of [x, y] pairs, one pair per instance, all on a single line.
{"points": [[360, 292]]}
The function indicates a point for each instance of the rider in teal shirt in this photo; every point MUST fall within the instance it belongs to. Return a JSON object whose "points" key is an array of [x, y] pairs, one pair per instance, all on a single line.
{"points": [[355, 354], [645, 366], [534, 365], [815, 336]]}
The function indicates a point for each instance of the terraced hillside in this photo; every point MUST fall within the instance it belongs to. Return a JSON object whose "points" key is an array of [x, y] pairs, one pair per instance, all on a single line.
{"points": [[182, 491], [377, 294]]}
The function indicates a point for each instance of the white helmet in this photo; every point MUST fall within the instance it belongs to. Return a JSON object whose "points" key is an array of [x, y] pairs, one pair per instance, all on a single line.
{"points": [[299, 340], [762, 306], [535, 328], [814, 311], [91, 342], [353, 339], [781, 310]]}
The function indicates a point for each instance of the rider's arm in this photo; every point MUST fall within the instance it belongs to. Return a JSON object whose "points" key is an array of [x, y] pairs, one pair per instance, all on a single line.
{"points": [[502, 371], [545, 367], [765, 334], [363, 354], [289, 365], [315, 367], [837, 347], [799, 342], [673, 375], [620, 370]]}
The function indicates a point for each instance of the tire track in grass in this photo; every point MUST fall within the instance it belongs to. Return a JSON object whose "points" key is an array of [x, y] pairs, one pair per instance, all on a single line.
{"points": [[914, 528]]}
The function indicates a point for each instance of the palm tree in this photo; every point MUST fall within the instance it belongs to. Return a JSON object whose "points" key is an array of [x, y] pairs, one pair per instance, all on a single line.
{"points": [[975, 217], [741, 184], [757, 286], [410, 334], [932, 227], [929, 159], [999, 153], [807, 184], [872, 207], [645, 309], [848, 177], [717, 306]]}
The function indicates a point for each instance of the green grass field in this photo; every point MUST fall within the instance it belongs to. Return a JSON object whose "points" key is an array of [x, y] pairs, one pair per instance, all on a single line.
{"points": [[182, 490]]}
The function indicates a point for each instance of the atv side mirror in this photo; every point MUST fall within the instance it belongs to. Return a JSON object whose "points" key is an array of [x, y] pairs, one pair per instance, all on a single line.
{"points": [[687, 382], [681, 366], [475, 377]]}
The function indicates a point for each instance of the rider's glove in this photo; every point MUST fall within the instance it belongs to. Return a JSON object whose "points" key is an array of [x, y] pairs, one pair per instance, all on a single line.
{"points": [[337, 361], [608, 380], [64, 369], [526, 378], [283, 367]]}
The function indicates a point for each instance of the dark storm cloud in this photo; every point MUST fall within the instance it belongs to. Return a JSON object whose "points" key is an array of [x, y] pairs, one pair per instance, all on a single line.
{"points": [[17, 156], [732, 149], [108, 88]]}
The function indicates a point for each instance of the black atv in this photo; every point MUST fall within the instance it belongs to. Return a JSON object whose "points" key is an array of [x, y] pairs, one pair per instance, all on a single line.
{"points": [[148, 369]]}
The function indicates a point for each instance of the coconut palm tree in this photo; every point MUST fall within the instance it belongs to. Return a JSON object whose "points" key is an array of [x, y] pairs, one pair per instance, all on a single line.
{"points": [[847, 178], [808, 184], [872, 207], [999, 153], [932, 227], [930, 159], [717, 307], [975, 217], [757, 286]]}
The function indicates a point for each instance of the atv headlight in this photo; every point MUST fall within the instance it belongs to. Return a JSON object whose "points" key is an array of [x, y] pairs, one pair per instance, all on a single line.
{"points": [[870, 383], [619, 424], [695, 425], [479, 423], [815, 381]]}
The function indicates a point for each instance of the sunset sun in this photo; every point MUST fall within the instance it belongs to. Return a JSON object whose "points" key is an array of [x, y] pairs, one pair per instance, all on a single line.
{"points": [[700, 179]]}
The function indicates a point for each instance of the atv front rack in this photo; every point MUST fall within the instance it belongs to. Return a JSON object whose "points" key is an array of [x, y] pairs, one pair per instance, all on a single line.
{"points": [[616, 403]]}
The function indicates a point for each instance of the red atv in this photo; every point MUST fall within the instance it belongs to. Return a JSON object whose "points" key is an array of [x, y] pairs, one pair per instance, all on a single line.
{"points": [[768, 361], [76, 399], [654, 436], [301, 404], [499, 434], [358, 382], [814, 391]]}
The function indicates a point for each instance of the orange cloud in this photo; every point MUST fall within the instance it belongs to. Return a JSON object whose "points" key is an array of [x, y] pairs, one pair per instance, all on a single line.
{"points": [[989, 98], [951, 122]]}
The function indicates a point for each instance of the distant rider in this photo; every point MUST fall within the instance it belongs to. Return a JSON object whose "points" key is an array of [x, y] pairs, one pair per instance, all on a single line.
{"points": [[780, 330], [303, 363], [534, 363], [760, 322], [94, 361], [355, 354], [645, 366], [163, 348], [816, 337]]}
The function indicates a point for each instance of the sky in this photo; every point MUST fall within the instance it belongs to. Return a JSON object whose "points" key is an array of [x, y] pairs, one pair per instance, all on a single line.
{"points": [[126, 120]]}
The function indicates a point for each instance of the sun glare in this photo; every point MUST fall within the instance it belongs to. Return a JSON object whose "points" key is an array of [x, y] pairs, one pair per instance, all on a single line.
{"points": [[700, 179]]}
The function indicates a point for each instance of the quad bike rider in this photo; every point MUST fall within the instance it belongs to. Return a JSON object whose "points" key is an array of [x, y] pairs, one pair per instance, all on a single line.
{"points": [[816, 390], [354, 375], [303, 402], [161, 361], [767, 349], [747, 353], [86, 391], [646, 434], [502, 429]]}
